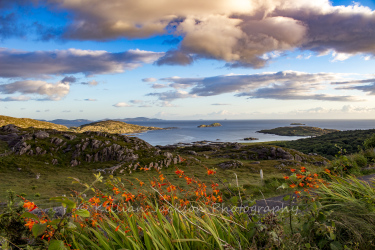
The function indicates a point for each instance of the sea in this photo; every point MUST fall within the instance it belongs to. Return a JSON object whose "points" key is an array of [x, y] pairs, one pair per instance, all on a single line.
{"points": [[187, 131]]}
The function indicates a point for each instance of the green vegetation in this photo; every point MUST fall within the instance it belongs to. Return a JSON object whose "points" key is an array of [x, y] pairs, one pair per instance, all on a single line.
{"points": [[297, 131], [26, 123], [115, 127], [328, 145], [297, 123], [215, 124]]}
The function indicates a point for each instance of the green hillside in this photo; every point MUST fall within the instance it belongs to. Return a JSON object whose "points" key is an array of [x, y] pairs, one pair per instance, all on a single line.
{"points": [[27, 122]]}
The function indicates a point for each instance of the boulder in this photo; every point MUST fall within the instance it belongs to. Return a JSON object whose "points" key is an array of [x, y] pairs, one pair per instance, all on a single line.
{"points": [[230, 164], [10, 128], [56, 140], [74, 163], [55, 162], [69, 136], [41, 134]]}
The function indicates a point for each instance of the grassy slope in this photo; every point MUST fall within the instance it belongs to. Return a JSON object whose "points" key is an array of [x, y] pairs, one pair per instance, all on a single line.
{"points": [[297, 131], [54, 180], [325, 145], [114, 127], [26, 122]]}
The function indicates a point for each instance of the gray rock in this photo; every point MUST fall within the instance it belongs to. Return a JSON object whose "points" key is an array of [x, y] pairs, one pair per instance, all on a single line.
{"points": [[55, 162], [74, 163], [70, 137], [41, 134], [191, 152], [230, 164], [168, 154], [297, 157], [10, 128], [56, 140], [255, 162]]}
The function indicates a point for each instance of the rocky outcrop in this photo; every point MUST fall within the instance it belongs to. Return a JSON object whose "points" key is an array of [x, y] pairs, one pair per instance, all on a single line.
{"points": [[230, 164], [41, 135]]}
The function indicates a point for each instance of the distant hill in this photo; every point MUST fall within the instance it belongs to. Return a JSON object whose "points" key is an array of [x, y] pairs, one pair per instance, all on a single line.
{"points": [[27, 122], [80, 122], [111, 126], [71, 123]]}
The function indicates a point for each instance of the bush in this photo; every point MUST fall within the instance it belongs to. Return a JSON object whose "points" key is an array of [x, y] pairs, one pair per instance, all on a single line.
{"points": [[369, 142], [359, 159]]}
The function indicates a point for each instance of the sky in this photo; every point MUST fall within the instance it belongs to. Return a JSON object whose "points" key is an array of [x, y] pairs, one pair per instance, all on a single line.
{"points": [[187, 59]]}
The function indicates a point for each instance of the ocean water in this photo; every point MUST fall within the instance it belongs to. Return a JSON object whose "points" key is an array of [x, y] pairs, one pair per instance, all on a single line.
{"points": [[235, 130]]}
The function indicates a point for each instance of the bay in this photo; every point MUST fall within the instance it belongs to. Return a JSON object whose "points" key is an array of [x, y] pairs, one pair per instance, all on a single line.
{"points": [[234, 130]]}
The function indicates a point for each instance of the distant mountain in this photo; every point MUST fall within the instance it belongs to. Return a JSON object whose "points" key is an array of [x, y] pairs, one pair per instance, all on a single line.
{"points": [[138, 119], [26, 123], [71, 123]]}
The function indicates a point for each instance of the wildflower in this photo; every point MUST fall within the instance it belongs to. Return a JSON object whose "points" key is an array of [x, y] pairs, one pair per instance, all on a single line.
{"points": [[292, 185], [297, 192], [211, 172], [286, 177], [179, 172], [117, 228], [315, 175], [161, 177], [292, 170], [327, 170], [301, 184], [30, 206]]}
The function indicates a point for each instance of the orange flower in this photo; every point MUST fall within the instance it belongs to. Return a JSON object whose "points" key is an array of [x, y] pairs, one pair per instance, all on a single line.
{"points": [[117, 228], [286, 177], [30, 224], [301, 184], [211, 172], [179, 172], [292, 185], [303, 170], [292, 170], [30, 206], [161, 177], [297, 192], [327, 171]]}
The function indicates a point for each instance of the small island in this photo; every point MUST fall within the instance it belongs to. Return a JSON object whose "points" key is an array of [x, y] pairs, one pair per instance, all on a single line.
{"points": [[250, 139], [216, 124], [297, 123], [298, 131]]}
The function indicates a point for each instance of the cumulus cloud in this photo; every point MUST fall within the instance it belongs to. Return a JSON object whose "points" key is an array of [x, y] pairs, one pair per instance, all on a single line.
{"points": [[121, 104], [50, 91], [284, 85], [16, 63], [240, 32]]}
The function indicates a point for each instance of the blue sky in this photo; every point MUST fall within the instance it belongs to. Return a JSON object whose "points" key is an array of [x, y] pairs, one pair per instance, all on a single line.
{"points": [[217, 59]]}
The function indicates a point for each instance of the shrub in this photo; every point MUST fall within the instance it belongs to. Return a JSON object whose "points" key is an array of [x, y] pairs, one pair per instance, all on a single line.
{"points": [[359, 159], [369, 142]]}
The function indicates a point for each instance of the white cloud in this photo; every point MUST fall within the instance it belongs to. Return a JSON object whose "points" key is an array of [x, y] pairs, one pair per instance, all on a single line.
{"points": [[121, 104], [20, 98], [51, 91]]}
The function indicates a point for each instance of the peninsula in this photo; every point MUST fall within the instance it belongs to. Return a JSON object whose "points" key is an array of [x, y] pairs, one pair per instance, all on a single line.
{"points": [[298, 131]]}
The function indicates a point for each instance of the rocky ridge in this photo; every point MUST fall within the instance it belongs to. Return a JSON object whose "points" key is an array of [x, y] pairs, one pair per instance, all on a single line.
{"points": [[73, 149]]}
